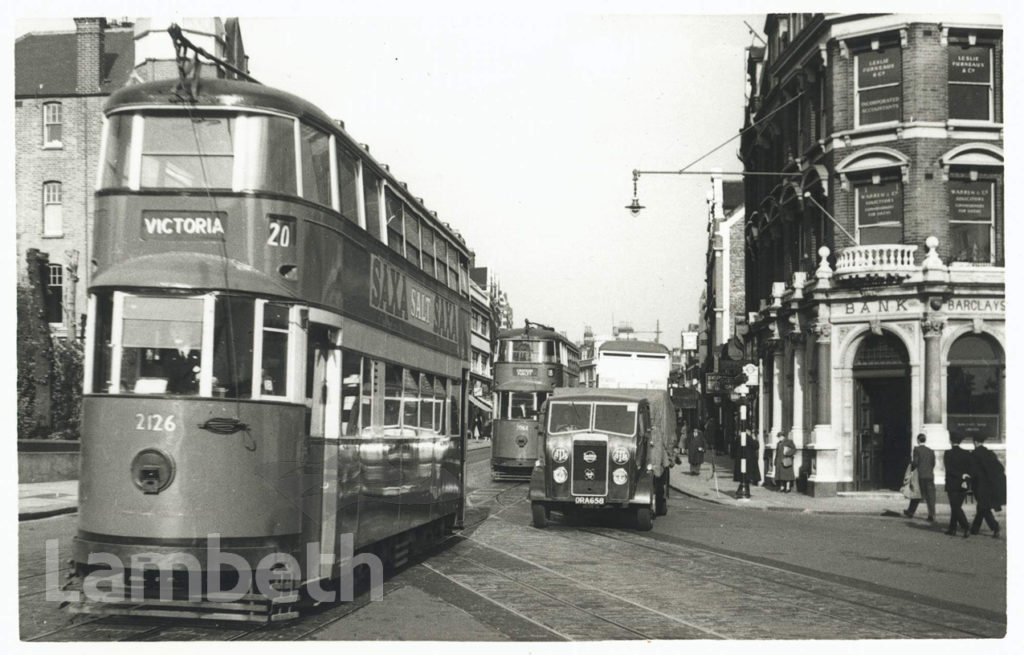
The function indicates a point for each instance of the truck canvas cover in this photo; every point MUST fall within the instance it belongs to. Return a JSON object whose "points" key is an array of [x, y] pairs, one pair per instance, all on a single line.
{"points": [[663, 418]]}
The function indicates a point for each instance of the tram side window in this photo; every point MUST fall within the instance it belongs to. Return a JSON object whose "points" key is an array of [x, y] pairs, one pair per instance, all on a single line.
{"points": [[393, 208], [366, 400], [427, 236], [232, 347], [441, 253], [427, 401], [453, 268], [316, 164], [392, 396], [412, 237], [439, 396], [184, 152], [161, 340], [102, 350], [455, 410], [115, 159], [410, 399], [275, 350], [347, 200], [270, 154], [351, 375], [371, 202]]}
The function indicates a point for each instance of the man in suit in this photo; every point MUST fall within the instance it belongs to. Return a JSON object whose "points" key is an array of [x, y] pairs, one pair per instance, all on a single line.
{"points": [[923, 461], [958, 480], [989, 480]]}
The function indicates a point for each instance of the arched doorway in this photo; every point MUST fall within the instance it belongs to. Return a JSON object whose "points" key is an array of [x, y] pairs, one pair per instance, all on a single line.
{"points": [[975, 389], [881, 375]]}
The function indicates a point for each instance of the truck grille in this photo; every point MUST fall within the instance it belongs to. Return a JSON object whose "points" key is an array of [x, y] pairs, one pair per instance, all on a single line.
{"points": [[589, 468]]}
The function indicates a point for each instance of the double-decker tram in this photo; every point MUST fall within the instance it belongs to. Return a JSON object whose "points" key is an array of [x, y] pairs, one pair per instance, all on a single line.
{"points": [[277, 350], [530, 362]]}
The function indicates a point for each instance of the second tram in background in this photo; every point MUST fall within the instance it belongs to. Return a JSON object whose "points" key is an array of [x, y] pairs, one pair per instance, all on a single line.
{"points": [[530, 362]]}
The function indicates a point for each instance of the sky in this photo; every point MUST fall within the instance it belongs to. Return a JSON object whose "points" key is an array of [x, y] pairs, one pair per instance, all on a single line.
{"points": [[522, 131]]}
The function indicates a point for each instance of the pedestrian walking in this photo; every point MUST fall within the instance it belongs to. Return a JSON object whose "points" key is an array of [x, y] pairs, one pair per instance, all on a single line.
{"points": [[989, 481], [957, 462], [923, 461], [785, 472], [696, 445]]}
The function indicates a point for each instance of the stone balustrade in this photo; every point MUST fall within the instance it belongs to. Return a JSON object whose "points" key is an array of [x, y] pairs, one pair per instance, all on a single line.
{"points": [[880, 261]]}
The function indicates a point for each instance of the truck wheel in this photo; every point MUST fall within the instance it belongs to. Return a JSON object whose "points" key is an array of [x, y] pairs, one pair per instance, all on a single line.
{"points": [[540, 515], [644, 520]]}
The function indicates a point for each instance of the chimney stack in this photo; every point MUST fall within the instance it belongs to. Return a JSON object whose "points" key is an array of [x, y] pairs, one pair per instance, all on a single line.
{"points": [[90, 54]]}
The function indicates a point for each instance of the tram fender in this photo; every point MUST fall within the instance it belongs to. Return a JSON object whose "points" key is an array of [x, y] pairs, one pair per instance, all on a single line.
{"points": [[537, 491]]}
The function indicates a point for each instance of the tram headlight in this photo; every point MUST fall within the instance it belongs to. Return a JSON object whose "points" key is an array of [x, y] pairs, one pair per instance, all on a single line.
{"points": [[620, 455], [560, 475], [619, 476], [560, 454]]}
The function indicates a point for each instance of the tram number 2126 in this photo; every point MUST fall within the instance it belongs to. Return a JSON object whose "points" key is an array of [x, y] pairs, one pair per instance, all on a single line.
{"points": [[155, 422]]}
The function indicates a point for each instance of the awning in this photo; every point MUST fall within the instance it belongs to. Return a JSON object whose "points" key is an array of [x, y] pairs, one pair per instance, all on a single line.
{"points": [[481, 404]]}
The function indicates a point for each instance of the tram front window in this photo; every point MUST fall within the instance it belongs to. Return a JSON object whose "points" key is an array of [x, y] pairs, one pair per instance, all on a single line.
{"points": [[161, 343], [183, 152]]}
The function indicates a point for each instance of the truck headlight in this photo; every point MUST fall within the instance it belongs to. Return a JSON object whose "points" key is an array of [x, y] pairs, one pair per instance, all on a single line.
{"points": [[560, 475], [619, 476]]}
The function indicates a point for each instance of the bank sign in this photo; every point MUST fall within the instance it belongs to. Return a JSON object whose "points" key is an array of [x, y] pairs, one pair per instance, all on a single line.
{"points": [[392, 292]]}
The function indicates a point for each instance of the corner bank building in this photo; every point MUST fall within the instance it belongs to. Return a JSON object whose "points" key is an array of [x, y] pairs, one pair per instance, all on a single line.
{"points": [[875, 253]]}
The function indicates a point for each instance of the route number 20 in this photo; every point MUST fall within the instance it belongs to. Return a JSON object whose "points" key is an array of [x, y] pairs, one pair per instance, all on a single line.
{"points": [[155, 422], [282, 231]]}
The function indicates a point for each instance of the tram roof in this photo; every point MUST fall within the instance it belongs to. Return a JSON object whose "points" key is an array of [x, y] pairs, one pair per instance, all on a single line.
{"points": [[236, 94], [629, 345], [533, 333]]}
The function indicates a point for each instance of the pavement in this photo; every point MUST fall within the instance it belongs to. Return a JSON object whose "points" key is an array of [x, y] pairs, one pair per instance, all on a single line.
{"points": [[39, 500], [716, 485]]}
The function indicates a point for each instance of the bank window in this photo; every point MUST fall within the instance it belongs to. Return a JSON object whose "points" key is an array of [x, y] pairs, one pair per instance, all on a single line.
{"points": [[974, 386], [971, 221], [348, 201], [879, 208], [53, 209], [274, 352], [412, 237], [190, 151], [878, 85], [970, 82], [53, 123], [316, 164], [54, 293], [393, 211]]}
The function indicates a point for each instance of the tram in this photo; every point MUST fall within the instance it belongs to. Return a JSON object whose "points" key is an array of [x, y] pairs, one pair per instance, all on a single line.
{"points": [[530, 362], [276, 354]]}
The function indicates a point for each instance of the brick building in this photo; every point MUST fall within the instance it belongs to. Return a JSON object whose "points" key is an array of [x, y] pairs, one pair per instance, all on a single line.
{"points": [[61, 80], [876, 269]]}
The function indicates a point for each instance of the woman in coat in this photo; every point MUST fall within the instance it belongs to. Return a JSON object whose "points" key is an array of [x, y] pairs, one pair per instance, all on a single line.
{"points": [[695, 448], [785, 472]]}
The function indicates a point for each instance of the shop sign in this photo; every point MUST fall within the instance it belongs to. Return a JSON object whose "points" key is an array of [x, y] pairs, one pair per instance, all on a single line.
{"points": [[882, 306], [970, 202], [718, 383], [976, 305], [690, 341], [878, 77], [750, 370], [974, 425], [877, 68], [880, 203], [969, 65]]}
